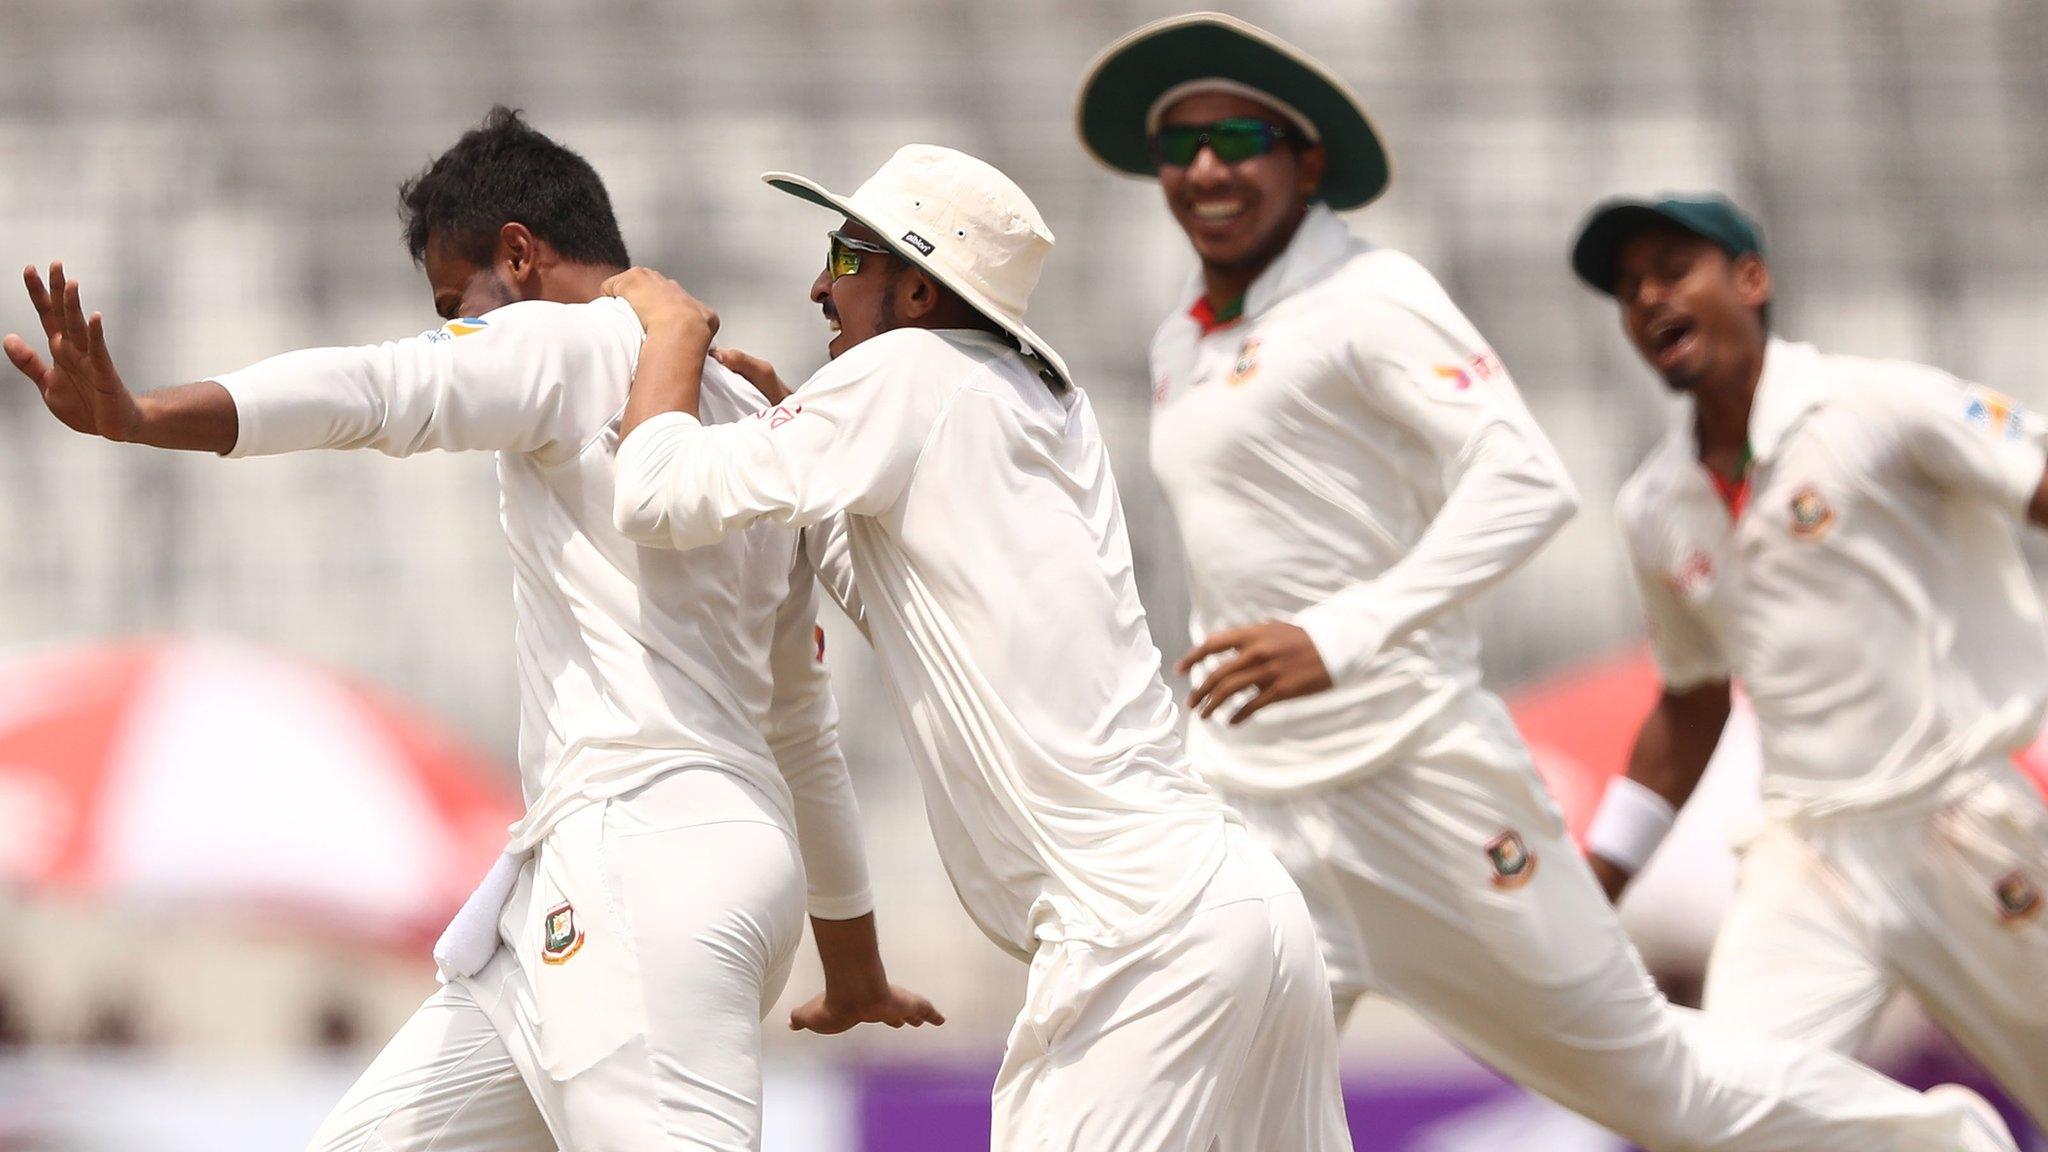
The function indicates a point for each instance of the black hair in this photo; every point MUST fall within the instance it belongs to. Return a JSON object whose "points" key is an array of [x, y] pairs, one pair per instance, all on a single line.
{"points": [[502, 172]]}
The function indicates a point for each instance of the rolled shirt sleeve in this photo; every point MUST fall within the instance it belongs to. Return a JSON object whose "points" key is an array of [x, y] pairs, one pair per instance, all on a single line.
{"points": [[1507, 491]]}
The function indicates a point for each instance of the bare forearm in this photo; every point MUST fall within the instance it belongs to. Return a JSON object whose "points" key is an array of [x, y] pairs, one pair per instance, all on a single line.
{"points": [[1670, 755], [669, 378], [851, 954], [197, 417], [1677, 740]]}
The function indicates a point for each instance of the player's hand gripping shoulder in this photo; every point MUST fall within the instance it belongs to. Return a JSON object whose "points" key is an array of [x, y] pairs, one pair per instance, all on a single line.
{"points": [[79, 384], [666, 309], [1276, 658]]}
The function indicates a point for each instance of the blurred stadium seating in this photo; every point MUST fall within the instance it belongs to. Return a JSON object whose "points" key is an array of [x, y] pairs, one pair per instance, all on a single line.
{"points": [[221, 174]]}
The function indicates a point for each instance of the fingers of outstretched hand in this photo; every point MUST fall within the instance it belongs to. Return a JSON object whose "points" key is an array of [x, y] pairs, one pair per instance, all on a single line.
{"points": [[24, 359], [77, 340], [39, 298]]}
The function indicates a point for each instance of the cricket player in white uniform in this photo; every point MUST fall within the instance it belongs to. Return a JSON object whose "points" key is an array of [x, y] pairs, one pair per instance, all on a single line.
{"points": [[1836, 534], [677, 740], [1176, 1000], [1350, 465]]}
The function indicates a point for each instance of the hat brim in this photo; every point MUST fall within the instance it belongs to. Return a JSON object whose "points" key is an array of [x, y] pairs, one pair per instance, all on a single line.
{"points": [[804, 188], [1132, 74], [1598, 248]]}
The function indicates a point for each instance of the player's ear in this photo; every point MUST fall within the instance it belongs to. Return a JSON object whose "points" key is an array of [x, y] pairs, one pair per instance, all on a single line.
{"points": [[1752, 281], [518, 253], [918, 293], [1314, 161]]}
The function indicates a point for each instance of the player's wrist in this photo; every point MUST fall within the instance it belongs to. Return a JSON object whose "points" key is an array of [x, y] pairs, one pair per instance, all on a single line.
{"points": [[1631, 822]]}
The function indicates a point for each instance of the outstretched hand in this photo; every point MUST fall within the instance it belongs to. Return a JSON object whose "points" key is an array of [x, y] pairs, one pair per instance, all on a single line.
{"points": [[78, 383], [891, 1004], [1277, 658], [665, 308]]}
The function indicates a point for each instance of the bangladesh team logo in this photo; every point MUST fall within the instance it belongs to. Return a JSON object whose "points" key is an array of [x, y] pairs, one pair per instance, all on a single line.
{"points": [[2018, 898], [1812, 515], [559, 936], [1513, 863]]}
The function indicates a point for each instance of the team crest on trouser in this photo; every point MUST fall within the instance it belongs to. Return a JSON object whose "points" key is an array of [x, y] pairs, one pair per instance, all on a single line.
{"points": [[1513, 863], [559, 936], [2018, 898]]}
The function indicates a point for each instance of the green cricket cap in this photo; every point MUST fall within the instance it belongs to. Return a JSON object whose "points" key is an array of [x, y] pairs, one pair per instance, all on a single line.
{"points": [[1712, 217]]}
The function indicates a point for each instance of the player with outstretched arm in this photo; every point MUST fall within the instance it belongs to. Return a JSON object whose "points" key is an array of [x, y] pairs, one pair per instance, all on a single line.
{"points": [[676, 722]]}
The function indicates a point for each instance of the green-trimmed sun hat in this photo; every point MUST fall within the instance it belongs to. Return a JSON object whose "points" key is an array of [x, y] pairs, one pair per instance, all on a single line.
{"points": [[1710, 216], [1134, 79]]}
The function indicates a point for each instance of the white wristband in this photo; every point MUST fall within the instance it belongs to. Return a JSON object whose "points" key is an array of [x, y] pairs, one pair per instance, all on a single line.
{"points": [[1631, 822]]}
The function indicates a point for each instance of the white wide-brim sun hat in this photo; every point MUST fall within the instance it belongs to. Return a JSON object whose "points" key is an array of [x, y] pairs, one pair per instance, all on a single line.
{"points": [[961, 220]]}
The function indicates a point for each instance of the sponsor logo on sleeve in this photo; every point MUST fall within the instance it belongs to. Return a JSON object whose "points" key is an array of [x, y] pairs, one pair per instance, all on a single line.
{"points": [[1513, 863], [465, 326], [1479, 366], [779, 415], [1812, 515], [1995, 412], [560, 938]]}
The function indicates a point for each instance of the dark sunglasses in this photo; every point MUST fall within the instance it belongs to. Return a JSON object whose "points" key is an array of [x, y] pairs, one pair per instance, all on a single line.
{"points": [[1234, 140], [843, 258]]}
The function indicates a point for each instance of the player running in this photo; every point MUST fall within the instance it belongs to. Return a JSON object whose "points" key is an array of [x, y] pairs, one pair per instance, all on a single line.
{"points": [[677, 743], [1176, 1000], [1350, 466], [1837, 534]]}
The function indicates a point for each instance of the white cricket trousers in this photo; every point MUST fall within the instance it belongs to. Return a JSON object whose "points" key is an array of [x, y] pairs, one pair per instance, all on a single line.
{"points": [[1213, 1035], [645, 940], [1448, 882], [1832, 917]]}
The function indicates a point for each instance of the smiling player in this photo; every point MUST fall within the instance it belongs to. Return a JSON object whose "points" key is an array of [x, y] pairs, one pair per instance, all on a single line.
{"points": [[1175, 1001], [1350, 466]]}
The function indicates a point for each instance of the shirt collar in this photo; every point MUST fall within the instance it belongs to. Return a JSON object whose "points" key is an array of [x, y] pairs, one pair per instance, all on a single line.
{"points": [[1793, 383], [1320, 243]]}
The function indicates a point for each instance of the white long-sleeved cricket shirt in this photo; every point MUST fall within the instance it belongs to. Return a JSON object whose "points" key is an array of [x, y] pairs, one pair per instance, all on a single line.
{"points": [[632, 661], [1348, 454], [1866, 588], [994, 579]]}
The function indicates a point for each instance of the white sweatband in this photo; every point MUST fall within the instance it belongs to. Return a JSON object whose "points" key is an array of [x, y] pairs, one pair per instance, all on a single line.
{"points": [[1631, 822]]}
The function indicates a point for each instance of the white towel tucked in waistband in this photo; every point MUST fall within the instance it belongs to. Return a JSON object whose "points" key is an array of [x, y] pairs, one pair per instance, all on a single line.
{"points": [[469, 940]]}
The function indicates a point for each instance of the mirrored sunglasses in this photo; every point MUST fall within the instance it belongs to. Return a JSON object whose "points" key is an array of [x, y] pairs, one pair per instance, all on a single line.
{"points": [[1234, 141], [843, 258]]}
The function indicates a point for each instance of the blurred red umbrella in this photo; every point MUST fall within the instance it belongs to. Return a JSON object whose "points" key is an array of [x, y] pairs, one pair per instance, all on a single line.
{"points": [[216, 772], [1580, 724]]}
